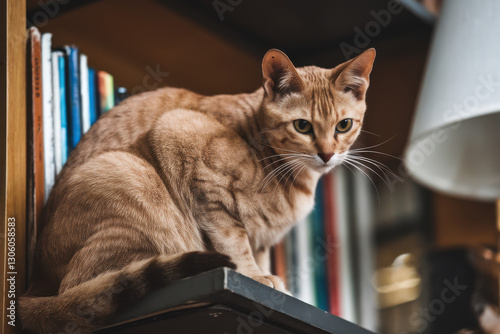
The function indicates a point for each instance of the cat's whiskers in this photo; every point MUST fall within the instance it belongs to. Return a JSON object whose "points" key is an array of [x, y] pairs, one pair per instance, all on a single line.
{"points": [[289, 172], [304, 165], [364, 173], [383, 168], [279, 170], [360, 163]]}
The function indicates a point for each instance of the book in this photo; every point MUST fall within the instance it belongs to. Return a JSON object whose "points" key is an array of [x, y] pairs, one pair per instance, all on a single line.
{"points": [[93, 96], [363, 233], [64, 110], [48, 119], [73, 96], [84, 94], [319, 252], [56, 110], [121, 94], [280, 265], [332, 240], [35, 156], [106, 91], [304, 266]]}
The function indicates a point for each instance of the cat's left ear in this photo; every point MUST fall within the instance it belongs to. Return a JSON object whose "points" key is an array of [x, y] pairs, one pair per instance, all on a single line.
{"points": [[279, 75], [354, 75]]}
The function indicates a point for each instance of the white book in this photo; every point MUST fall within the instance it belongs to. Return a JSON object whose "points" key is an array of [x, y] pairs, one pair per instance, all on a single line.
{"points": [[345, 254], [363, 206], [305, 263], [56, 107], [48, 121], [84, 92]]}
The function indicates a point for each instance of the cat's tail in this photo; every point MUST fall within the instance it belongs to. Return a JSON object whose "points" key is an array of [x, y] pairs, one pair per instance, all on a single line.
{"points": [[94, 304]]}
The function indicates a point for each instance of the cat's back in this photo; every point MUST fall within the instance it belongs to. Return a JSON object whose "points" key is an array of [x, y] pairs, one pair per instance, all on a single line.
{"points": [[123, 126]]}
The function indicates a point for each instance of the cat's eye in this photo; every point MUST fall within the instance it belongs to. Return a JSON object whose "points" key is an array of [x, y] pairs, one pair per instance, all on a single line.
{"points": [[344, 125], [302, 126]]}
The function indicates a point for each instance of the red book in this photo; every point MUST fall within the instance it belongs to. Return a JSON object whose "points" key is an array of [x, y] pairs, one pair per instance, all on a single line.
{"points": [[280, 266], [332, 237], [35, 168]]}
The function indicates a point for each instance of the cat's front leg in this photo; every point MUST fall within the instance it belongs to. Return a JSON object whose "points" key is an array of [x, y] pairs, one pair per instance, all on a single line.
{"points": [[263, 259], [229, 237]]}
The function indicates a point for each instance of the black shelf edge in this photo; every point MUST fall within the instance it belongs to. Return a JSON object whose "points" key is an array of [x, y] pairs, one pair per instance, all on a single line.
{"points": [[227, 287]]}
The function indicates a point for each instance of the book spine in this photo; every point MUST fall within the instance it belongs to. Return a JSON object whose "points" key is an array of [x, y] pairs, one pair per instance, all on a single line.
{"points": [[73, 97], [35, 156], [319, 252], [48, 121], [106, 91], [92, 96], [280, 261], [56, 108], [331, 229], [304, 269], [347, 278], [64, 111], [84, 93]]}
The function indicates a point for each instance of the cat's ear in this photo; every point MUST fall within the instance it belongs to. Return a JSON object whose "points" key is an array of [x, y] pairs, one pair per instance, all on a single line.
{"points": [[354, 75], [279, 75]]}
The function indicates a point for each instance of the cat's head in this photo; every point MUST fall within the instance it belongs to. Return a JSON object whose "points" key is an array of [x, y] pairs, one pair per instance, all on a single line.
{"points": [[311, 112]]}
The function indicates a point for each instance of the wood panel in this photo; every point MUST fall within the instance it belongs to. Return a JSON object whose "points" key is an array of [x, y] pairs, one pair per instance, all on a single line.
{"points": [[460, 222], [130, 38], [13, 149]]}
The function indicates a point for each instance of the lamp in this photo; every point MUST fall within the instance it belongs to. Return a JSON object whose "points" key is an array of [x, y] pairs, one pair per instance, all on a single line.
{"points": [[454, 144]]}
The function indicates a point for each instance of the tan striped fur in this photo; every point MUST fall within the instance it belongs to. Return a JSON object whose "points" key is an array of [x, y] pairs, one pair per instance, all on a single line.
{"points": [[168, 181]]}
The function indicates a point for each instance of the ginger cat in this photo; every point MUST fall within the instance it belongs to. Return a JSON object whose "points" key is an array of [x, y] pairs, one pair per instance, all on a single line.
{"points": [[171, 183]]}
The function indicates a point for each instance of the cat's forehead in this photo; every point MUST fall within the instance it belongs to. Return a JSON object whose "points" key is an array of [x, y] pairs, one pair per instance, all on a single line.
{"points": [[313, 75]]}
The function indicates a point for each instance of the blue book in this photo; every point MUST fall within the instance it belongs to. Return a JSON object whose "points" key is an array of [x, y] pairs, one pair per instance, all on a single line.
{"points": [[92, 96], [320, 249], [63, 101], [73, 96]]}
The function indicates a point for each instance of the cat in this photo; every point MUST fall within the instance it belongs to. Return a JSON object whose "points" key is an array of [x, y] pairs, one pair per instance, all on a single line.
{"points": [[170, 183]]}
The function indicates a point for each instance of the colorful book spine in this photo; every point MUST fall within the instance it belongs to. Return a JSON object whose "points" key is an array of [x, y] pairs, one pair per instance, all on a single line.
{"points": [[36, 176], [280, 266], [291, 261], [73, 96], [56, 108], [331, 233], [305, 270], [106, 91], [320, 252], [64, 110], [346, 261], [84, 93], [93, 97], [48, 120]]}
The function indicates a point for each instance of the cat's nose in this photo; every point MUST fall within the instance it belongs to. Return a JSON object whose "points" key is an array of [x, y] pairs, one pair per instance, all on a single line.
{"points": [[325, 156]]}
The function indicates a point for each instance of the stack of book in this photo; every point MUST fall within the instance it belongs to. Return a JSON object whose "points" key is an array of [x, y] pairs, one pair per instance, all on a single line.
{"points": [[66, 97], [327, 260]]}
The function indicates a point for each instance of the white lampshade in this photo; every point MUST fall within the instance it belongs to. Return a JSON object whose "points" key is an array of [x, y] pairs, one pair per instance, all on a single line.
{"points": [[454, 144]]}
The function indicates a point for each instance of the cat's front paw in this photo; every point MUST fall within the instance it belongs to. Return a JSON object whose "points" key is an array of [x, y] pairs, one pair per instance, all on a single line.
{"points": [[271, 281]]}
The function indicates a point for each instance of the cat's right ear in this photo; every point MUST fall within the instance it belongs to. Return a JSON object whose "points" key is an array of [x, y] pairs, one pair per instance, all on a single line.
{"points": [[279, 75]]}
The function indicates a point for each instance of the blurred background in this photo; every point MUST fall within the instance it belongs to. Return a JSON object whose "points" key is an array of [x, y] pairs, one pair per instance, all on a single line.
{"points": [[405, 243]]}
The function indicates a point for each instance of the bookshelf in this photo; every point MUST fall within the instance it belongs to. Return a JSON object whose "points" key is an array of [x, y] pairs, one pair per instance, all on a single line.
{"points": [[13, 143], [227, 51]]}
